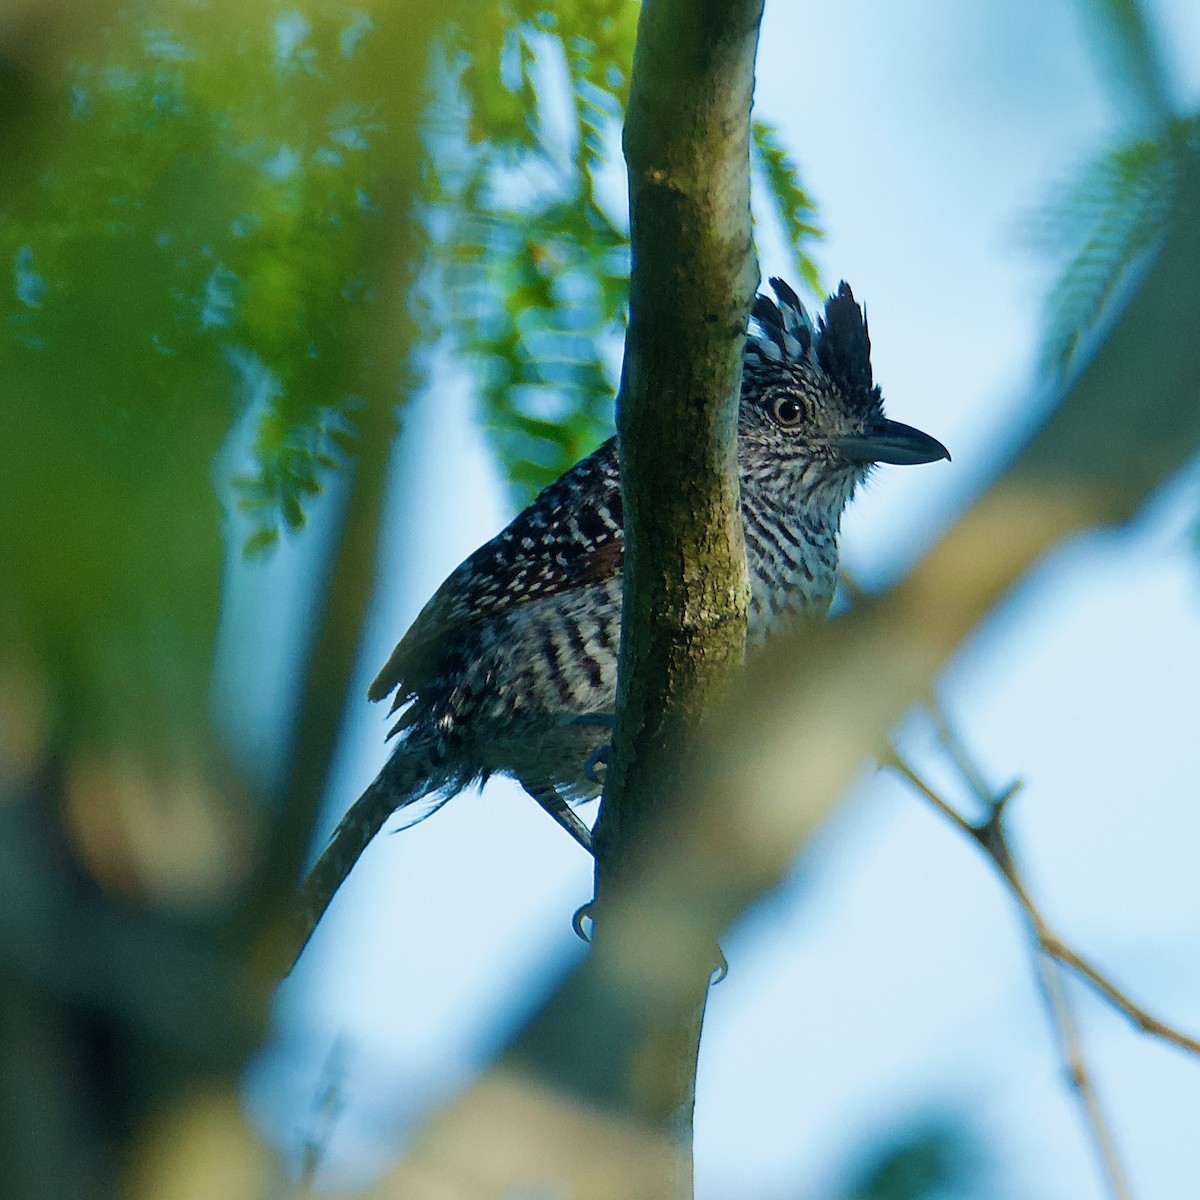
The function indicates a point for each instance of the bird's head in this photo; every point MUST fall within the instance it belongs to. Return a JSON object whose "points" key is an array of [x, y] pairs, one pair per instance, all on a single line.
{"points": [[811, 414]]}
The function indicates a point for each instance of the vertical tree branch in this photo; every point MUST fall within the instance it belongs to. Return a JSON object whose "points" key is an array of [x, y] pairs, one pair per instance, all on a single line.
{"points": [[1095, 1120], [687, 146]]}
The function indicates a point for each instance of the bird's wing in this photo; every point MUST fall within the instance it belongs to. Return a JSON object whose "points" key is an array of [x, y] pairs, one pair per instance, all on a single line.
{"points": [[569, 536]]}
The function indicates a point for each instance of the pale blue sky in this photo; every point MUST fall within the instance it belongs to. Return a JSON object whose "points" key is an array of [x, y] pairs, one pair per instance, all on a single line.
{"points": [[890, 978]]}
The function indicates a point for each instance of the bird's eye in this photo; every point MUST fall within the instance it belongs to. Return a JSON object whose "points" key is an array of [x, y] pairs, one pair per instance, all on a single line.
{"points": [[787, 411]]}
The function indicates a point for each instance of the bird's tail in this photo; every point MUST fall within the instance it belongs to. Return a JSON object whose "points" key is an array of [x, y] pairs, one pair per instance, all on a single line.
{"points": [[406, 779]]}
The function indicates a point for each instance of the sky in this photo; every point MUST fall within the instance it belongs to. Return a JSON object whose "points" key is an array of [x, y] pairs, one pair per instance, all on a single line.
{"points": [[889, 981]]}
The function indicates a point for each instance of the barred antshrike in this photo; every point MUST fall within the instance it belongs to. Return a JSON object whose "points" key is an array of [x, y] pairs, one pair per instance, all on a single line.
{"points": [[511, 668]]}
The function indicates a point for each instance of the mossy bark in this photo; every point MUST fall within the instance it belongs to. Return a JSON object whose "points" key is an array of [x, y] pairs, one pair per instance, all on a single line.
{"points": [[694, 274]]}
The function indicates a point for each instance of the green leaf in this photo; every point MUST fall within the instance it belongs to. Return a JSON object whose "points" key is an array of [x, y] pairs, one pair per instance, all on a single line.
{"points": [[534, 284], [224, 197], [261, 542], [793, 206]]}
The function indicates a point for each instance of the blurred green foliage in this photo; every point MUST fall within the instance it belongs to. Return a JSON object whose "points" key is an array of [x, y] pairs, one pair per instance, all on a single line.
{"points": [[1101, 225], [937, 1159], [533, 260], [206, 207], [1103, 222], [202, 218], [195, 225]]}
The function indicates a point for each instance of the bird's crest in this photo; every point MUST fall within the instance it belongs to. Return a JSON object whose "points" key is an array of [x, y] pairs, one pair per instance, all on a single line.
{"points": [[785, 331], [837, 345]]}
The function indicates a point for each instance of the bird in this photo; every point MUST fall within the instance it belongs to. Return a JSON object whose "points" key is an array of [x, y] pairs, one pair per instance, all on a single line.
{"points": [[511, 667]]}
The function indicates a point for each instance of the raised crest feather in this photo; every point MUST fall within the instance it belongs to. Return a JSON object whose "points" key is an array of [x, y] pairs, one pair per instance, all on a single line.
{"points": [[844, 346], [787, 331]]}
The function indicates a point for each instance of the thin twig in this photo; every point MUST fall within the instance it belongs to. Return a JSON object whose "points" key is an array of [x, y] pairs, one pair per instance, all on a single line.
{"points": [[961, 757], [991, 836], [1049, 941], [1145, 1021], [327, 1108], [1071, 1044], [898, 764]]}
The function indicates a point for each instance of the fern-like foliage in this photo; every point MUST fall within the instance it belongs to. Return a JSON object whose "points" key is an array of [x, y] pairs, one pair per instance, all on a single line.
{"points": [[792, 204], [534, 263], [1101, 226], [536, 273]]}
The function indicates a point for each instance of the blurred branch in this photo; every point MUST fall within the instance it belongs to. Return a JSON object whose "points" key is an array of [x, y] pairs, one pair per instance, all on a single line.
{"points": [[161, 978], [327, 1108], [1066, 1024], [331, 666], [1115, 996], [991, 836], [352, 573], [105, 1004]]}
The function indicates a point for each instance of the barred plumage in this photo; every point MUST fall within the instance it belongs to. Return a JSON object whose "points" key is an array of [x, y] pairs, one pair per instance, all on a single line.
{"points": [[511, 666]]}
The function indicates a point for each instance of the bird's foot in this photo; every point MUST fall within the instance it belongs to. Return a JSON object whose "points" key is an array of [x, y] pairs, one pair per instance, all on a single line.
{"points": [[597, 761], [593, 768]]}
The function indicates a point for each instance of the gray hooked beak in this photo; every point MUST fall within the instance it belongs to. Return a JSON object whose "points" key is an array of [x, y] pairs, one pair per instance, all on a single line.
{"points": [[892, 442]]}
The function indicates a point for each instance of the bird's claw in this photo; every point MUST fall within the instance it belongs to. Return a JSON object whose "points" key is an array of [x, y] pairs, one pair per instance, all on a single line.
{"points": [[720, 971], [597, 761], [581, 914]]}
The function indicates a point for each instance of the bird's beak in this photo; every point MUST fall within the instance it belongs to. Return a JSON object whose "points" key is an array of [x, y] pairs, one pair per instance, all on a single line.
{"points": [[892, 442]]}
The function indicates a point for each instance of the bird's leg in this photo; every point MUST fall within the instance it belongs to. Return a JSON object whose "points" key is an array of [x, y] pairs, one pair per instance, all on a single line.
{"points": [[562, 812], [565, 815], [607, 720]]}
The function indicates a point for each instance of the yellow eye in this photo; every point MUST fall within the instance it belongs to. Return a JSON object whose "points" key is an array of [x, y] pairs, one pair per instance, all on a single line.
{"points": [[787, 411]]}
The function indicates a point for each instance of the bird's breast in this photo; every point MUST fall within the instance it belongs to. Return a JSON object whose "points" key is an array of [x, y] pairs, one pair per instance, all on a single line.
{"points": [[793, 570]]}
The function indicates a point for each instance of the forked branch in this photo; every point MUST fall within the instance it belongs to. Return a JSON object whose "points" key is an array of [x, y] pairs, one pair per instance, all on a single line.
{"points": [[991, 835]]}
